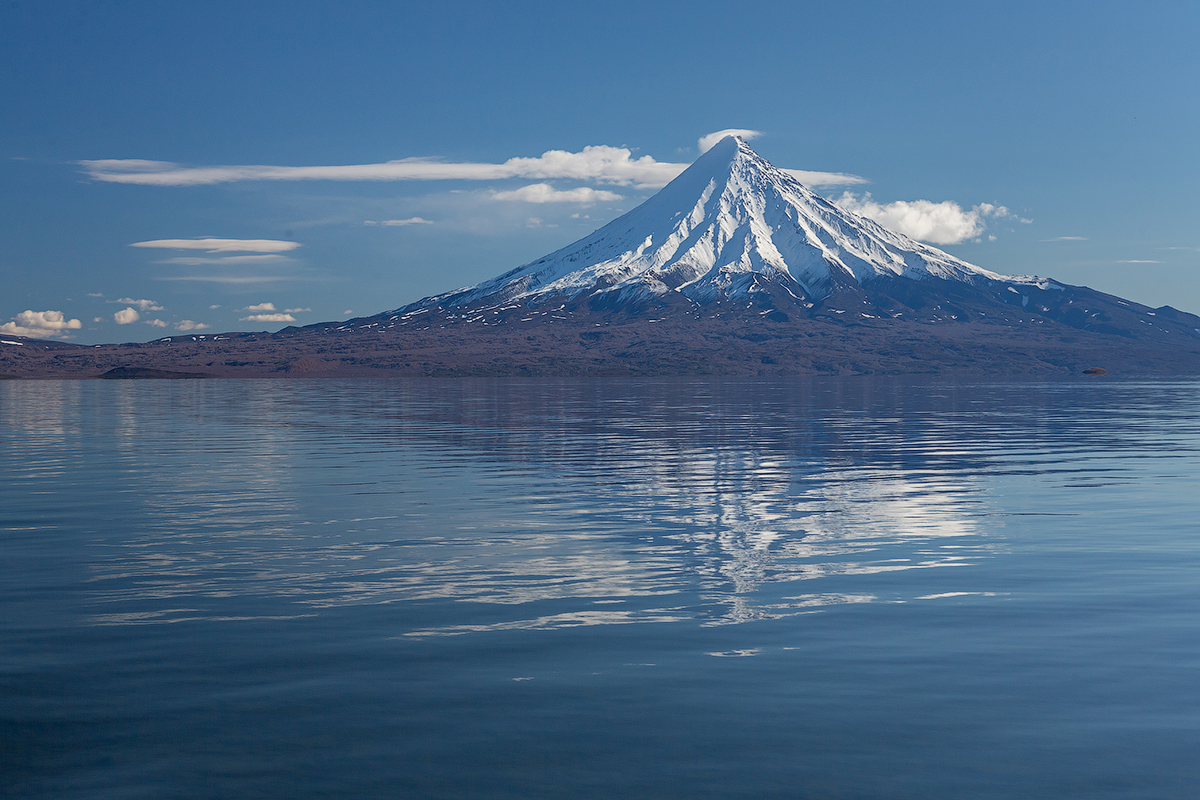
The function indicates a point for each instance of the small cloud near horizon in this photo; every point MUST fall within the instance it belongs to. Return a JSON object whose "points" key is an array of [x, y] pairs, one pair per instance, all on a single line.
{"points": [[189, 325], [1139, 261], [40, 324], [1066, 239], [268, 318], [395, 223]]}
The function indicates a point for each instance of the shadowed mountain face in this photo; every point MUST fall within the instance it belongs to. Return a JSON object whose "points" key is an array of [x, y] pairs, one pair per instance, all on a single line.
{"points": [[734, 268]]}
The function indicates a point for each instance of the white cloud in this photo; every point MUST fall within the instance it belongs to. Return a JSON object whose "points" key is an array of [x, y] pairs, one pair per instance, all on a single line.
{"points": [[939, 223], [222, 245], [40, 324], [235, 279], [296, 310], [545, 193], [144, 305], [213, 307], [595, 163], [95, 294], [158, 323], [1066, 238], [189, 325], [1139, 261], [193, 261], [705, 143], [260, 307], [393, 223], [126, 315], [810, 178], [613, 165], [269, 318], [97, 319]]}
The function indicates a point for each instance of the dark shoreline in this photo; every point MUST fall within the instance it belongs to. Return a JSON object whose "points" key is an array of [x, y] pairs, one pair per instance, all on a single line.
{"points": [[671, 346]]}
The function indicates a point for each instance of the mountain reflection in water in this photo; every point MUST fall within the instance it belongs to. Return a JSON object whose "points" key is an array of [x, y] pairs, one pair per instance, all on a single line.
{"points": [[920, 590], [573, 502]]}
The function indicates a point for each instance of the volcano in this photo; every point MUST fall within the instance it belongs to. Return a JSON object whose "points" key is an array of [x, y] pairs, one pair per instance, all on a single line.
{"points": [[733, 231], [733, 268], [730, 226]]}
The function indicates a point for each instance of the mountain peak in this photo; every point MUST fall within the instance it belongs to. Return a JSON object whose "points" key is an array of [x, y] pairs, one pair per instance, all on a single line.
{"points": [[727, 227]]}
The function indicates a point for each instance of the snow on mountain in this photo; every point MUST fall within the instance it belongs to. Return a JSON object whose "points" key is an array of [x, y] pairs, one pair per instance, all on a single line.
{"points": [[728, 225]]}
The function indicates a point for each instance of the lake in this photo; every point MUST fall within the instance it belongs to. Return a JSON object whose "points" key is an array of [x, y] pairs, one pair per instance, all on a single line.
{"points": [[607, 588]]}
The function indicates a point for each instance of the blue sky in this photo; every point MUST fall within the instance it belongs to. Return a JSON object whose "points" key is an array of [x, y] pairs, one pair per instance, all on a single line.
{"points": [[1058, 139]]}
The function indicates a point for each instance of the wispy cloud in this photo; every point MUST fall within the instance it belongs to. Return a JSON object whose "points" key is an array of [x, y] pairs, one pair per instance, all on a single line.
{"points": [[614, 165], [394, 223], [144, 305], [40, 324], [595, 163], [189, 325], [209, 245], [296, 310], [809, 178], [706, 142], [1139, 261], [158, 323], [1066, 239], [126, 316], [202, 260], [234, 279], [224, 253], [545, 193], [939, 223]]}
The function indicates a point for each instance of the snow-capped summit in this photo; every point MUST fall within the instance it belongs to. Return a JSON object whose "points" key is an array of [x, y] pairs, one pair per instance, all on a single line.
{"points": [[729, 226]]}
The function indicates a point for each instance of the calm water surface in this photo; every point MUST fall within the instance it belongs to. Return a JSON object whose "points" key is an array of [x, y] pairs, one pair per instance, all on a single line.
{"points": [[849, 588]]}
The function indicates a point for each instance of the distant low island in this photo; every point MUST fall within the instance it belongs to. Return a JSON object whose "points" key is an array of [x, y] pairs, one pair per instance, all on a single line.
{"points": [[734, 268]]}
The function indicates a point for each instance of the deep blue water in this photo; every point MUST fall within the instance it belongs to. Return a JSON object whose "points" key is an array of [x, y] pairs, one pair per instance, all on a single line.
{"points": [[851, 588]]}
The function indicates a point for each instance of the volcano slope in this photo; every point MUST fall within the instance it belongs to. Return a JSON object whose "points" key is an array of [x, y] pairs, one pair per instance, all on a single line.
{"points": [[734, 268]]}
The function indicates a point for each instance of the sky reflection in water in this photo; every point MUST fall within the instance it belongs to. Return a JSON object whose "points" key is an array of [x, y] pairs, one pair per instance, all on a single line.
{"points": [[606, 588]]}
